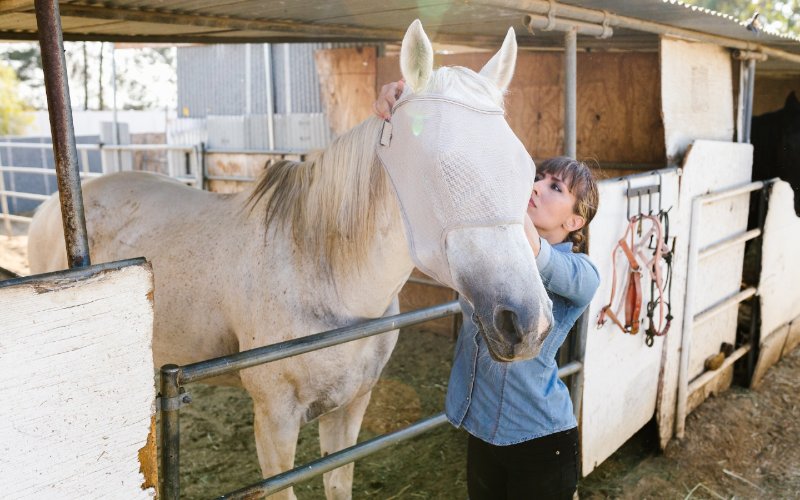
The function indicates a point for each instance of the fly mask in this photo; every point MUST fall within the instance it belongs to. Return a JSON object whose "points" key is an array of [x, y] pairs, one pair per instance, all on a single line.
{"points": [[452, 166]]}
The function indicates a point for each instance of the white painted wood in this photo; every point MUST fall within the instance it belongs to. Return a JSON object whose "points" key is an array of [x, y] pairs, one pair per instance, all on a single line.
{"points": [[621, 373], [76, 382], [696, 94], [780, 272], [708, 166]]}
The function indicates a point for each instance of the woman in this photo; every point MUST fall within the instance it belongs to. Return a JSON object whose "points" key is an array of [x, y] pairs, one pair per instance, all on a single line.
{"points": [[523, 437]]}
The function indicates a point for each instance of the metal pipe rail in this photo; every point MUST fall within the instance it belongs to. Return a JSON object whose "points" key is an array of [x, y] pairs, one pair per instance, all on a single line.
{"points": [[42, 171], [690, 318], [594, 16], [51, 42], [100, 146], [173, 377], [260, 355], [172, 396], [343, 457]]}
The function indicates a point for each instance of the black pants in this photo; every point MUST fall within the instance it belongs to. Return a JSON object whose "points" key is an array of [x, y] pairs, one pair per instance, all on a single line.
{"points": [[543, 468]]}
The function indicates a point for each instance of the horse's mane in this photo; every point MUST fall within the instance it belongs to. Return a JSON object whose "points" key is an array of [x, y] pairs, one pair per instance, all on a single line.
{"points": [[333, 200]]}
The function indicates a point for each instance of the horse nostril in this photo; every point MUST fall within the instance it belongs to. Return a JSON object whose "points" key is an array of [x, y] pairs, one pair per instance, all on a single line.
{"points": [[507, 324]]}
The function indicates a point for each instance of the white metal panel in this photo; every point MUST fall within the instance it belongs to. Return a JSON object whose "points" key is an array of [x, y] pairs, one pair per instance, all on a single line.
{"points": [[708, 166], [696, 94], [76, 381], [780, 271], [227, 131], [621, 374], [301, 131]]}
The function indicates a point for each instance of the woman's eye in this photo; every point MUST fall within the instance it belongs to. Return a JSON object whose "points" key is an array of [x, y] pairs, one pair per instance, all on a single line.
{"points": [[537, 178], [556, 187]]}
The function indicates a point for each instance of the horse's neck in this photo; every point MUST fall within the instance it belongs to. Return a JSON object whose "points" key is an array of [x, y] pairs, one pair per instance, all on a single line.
{"points": [[369, 290]]}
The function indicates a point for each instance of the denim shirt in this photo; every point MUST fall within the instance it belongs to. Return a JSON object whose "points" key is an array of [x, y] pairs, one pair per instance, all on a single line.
{"points": [[508, 403]]}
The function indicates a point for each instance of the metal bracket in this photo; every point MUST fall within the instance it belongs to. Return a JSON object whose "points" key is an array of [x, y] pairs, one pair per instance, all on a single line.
{"points": [[174, 403], [551, 16], [386, 133], [641, 191], [607, 31]]}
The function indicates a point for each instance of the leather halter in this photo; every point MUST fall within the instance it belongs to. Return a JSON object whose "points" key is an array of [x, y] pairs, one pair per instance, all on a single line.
{"points": [[637, 259]]}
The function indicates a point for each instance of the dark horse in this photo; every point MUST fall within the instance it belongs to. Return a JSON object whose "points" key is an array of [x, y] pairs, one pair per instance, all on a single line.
{"points": [[776, 146]]}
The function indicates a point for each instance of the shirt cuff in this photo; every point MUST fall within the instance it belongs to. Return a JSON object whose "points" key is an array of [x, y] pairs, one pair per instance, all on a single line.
{"points": [[545, 250]]}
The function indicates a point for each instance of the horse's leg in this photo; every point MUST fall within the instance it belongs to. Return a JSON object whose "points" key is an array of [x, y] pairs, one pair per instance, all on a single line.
{"points": [[276, 430], [337, 430]]}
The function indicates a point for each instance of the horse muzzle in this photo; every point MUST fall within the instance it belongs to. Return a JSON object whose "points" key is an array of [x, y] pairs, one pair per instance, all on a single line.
{"points": [[494, 269], [513, 334]]}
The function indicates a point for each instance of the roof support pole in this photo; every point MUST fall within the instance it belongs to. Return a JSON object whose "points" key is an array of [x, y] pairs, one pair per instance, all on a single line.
{"points": [[65, 153], [270, 104], [747, 79], [748, 99], [570, 92]]}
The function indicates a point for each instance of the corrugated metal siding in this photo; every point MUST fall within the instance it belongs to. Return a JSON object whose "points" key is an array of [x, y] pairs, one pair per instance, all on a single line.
{"points": [[212, 79], [213, 95]]}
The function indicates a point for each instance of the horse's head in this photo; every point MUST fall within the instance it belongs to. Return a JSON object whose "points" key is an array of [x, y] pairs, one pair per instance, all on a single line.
{"points": [[463, 180]]}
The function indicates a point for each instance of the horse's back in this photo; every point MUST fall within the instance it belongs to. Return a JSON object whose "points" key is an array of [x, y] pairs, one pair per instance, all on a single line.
{"points": [[125, 213]]}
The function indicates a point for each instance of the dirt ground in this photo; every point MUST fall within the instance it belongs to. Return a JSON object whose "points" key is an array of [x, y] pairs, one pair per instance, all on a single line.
{"points": [[741, 444]]}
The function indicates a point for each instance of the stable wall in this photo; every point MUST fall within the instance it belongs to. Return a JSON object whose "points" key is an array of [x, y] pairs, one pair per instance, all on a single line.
{"points": [[76, 381], [779, 295], [696, 93], [770, 91], [619, 107]]}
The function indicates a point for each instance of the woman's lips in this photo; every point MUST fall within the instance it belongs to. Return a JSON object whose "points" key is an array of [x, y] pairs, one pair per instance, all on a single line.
{"points": [[531, 203]]}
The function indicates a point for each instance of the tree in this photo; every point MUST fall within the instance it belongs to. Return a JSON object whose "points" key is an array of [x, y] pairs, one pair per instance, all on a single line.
{"points": [[13, 116], [779, 15]]}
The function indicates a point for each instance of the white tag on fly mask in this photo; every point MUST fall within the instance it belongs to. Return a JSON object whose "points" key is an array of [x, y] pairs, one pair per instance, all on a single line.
{"points": [[452, 166]]}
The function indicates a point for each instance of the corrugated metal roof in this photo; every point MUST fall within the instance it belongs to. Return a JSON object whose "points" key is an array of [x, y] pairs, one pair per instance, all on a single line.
{"points": [[474, 22]]}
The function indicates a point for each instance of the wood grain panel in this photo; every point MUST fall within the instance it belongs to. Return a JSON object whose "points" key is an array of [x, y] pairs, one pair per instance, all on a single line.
{"points": [[347, 85], [619, 118]]}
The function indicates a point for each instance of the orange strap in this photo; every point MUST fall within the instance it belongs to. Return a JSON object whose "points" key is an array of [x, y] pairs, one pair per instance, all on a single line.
{"points": [[632, 299], [633, 288]]}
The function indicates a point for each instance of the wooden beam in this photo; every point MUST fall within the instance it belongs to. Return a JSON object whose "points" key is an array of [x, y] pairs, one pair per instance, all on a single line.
{"points": [[304, 29], [168, 17], [16, 6], [198, 38]]}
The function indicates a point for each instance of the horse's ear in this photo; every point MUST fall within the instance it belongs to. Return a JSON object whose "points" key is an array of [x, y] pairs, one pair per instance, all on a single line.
{"points": [[416, 57], [791, 101], [500, 67]]}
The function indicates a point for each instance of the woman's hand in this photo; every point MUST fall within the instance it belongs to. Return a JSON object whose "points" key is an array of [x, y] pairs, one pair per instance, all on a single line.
{"points": [[533, 235], [387, 99]]}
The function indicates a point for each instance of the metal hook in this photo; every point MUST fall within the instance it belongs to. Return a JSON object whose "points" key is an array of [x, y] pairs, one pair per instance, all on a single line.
{"points": [[628, 200], [660, 191], [639, 228]]}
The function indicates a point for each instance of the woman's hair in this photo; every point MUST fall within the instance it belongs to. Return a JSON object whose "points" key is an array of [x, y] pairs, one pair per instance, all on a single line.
{"points": [[582, 184]]}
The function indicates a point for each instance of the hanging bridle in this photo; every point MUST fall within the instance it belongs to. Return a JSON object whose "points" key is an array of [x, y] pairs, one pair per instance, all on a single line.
{"points": [[638, 259]]}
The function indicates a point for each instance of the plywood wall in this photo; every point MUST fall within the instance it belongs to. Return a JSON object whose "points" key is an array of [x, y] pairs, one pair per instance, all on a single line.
{"points": [[347, 81], [779, 295], [770, 92], [697, 94], [619, 117]]}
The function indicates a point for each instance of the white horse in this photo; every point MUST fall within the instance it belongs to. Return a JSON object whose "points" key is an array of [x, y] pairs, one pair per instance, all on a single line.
{"points": [[317, 245]]}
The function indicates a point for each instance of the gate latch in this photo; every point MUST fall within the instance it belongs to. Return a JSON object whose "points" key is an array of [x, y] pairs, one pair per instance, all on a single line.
{"points": [[173, 403]]}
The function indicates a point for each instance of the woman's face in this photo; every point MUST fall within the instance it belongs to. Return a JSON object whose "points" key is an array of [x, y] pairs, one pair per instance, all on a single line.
{"points": [[551, 204]]}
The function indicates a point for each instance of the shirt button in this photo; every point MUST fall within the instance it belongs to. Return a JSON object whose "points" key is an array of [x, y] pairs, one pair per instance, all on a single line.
{"points": [[558, 452]]}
